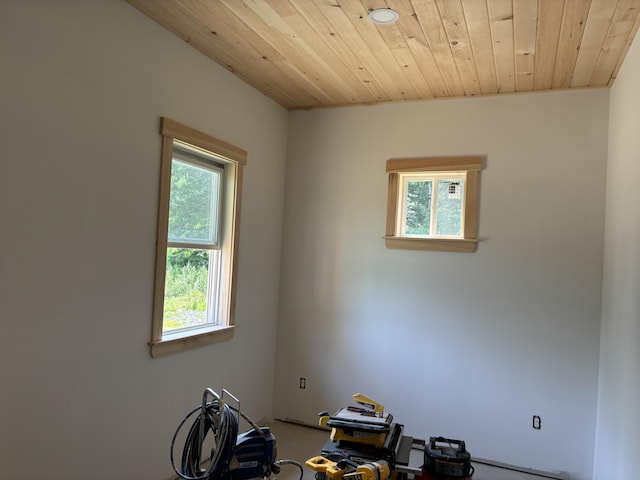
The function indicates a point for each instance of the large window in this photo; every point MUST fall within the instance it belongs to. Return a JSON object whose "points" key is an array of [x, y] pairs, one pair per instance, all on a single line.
{"points": [[196, 256], [432, 203]]}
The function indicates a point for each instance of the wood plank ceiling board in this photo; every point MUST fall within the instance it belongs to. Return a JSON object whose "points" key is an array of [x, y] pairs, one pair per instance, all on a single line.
{"points": [[574, 19], [312, 70], [595, 33], [351, 68], [352, 38], [218, 34], [318, 41], [501, 21], [428, 16], [266, 65], [525, 22], [630, 37], [477, 18], [549, 24], [623, 24], [382, 41], [418, 45], [455, 26], [395, 38], [327, 53]]}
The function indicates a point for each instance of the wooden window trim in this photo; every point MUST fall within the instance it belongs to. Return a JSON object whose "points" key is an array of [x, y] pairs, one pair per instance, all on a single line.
{"points": [[237, 158], [187, 342], [471, 166]]}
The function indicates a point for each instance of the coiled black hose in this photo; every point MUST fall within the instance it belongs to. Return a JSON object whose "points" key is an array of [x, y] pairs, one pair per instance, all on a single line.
{"points": [[223, 424], [219, 418]]}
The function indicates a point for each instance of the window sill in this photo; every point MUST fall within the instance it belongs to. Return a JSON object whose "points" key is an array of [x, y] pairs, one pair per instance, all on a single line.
{"points": [[436, 244], [174, 343]]}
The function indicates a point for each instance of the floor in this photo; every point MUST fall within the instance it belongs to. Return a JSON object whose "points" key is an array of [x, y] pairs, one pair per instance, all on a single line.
{"points": [[299, 443]]}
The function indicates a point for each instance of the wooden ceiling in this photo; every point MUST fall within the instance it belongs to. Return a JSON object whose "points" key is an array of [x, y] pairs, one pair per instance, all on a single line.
{"points": [[323, 53]]}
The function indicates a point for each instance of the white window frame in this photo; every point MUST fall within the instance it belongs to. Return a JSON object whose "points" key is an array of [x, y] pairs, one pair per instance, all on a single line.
{"points": [[435, 178], [233, 160], [398, 170], [215, 293]]}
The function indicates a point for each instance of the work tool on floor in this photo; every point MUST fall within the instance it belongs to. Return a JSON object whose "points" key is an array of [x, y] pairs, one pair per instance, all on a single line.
{"points": [[366, 444], [446, 457], [213, 449], [345, 469]]}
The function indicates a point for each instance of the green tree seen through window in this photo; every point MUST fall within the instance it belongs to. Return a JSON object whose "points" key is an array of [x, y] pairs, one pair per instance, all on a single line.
{"points": [[418, 210], [193, 210]]}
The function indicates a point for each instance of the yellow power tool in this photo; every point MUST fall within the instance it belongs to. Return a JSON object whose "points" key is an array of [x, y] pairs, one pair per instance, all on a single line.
{"points": [[361, 426], [348, 470], [365, 401]]}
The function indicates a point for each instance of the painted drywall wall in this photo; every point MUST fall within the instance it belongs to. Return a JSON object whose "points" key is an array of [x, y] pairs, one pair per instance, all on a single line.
{"points": [[83, 86], [618, 425], [469, 346]]}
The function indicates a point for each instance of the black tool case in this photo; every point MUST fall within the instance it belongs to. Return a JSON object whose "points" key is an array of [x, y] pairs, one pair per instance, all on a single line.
{"points": [[447, 458]]}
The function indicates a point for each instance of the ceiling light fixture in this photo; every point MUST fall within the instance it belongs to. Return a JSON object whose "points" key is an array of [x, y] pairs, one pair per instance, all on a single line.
{"points": [[383, 16]]}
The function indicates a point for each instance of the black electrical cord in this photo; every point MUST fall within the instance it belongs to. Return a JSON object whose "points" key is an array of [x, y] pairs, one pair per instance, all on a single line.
{"points": [[223, 425], [291, 462]]}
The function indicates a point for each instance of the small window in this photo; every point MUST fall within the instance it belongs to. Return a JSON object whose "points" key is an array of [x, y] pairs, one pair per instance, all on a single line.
{"points": [[431, 206], [196, 255], [432, 203]]}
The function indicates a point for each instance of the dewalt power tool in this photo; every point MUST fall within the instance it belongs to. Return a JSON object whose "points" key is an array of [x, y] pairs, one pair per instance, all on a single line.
{"points": [[366, 444], [345, 469], [361, 426], [364, 435]]}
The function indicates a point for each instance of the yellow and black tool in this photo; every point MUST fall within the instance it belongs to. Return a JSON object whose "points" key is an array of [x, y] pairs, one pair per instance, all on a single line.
{"points": [[365, 444], [378, 409], [370, 471], [362, 426], [348, 470]]}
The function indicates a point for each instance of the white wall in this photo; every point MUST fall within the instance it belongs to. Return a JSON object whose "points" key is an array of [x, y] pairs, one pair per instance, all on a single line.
{"points": [[618, 432], [82, 88], [463, 345]]}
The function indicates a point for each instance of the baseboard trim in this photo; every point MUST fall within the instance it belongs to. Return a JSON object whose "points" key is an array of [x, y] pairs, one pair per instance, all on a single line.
{"points": [[516, 468], [301, 423]]}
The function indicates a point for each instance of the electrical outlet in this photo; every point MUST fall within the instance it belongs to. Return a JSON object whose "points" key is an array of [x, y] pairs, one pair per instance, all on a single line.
{"points": [[537, 422], [303, 383]]}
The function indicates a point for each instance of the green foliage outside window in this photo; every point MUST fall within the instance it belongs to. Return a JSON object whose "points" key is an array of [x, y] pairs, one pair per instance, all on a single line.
{"points": [[448, 208], [418, 216], [193, 203], [192, 218], [449, 217], [185, 295]]}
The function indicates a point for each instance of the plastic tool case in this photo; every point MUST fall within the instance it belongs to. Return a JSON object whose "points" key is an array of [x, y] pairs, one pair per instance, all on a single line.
{"points": [[448, 458]]}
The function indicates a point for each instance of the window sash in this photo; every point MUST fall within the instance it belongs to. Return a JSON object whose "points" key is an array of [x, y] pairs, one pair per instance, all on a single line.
{"points": [[214, 303], [403, 204], [194, 164], [215, 207]]}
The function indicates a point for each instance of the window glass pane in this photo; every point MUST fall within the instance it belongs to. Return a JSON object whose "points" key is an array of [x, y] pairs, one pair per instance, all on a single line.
{"points": [[449, 207], [194, 203], [417, 219], [186, 288]]}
